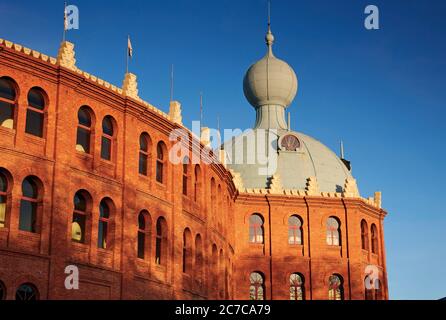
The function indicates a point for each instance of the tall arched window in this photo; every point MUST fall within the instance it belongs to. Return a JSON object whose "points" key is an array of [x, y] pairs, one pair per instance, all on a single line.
{"points": [[27, 292], [2, 291], [374, 231], [35, 113], [4, 189], [221, 278], [220, 206], [160, 161], [107, 138], [104, 223], [161, 242], [144, 224], [256, 229], [297, 290], [185, 175], [8, 103], [187, 251], [82, 201], [378, 290], [257, 288], [364, 235], [213, 198], [144, 153], [198, 258], [333, 232], [369, 292], [29, 205], [294, 230], [84, 130], [197, 183], [335, 287], [214, 271]]}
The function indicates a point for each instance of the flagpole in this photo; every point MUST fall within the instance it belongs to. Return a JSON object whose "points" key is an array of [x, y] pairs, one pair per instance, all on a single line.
{"points": [[64, 21], [201, 110], [128, 54], [171, 84]]}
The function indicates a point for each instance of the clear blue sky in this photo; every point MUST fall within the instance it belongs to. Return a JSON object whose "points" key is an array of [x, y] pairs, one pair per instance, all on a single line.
{"points": [[382, 92]]}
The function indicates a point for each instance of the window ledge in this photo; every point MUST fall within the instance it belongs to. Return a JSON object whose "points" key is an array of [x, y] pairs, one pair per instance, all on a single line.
{"points": [[7, 131], [34, 139], [83, 155], [160, 185]]}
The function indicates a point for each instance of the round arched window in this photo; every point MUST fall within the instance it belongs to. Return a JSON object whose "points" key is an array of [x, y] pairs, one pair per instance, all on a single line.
{"points": [[27, 292]]}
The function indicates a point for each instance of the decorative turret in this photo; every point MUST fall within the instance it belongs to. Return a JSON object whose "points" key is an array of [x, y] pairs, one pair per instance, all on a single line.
{"points": [[175, 112], [65, 56], [130, 86], [270, 86]]}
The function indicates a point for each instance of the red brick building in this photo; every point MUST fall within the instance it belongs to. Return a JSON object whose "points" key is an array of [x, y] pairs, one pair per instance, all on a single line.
{"points": [[85, 180]]}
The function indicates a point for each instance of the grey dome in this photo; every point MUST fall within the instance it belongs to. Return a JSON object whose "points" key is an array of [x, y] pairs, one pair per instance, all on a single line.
{"points": [[270, 81], [313, 159]]}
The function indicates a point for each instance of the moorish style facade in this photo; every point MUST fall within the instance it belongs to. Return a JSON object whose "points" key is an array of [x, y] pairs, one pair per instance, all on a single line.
{"points": [[86, 181]]}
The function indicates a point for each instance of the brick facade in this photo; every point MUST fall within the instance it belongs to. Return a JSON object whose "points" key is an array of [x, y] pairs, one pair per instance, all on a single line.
{"points": [[218, 224]]}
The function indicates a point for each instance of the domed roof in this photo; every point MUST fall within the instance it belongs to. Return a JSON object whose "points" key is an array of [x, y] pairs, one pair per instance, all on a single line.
{"points": [[311, 159], [270, 81]]}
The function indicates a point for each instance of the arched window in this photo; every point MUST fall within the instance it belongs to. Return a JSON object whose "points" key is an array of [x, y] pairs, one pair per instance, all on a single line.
{"points": [[333, 232], [144, 153], [84, 130], [35, 112], [198, 258], [8, 102], [185, 174], [161, 242], [221, 277], [257, 288], [294, 230], [213, 198], [369, 294], [378, 290], [187, 251], [364, 235], [104, 223], [4, 189], [160, 161], [214, 271], [297, 290], [107, 138], [27, 292], [144, 224], [82, 201], [374, 231], [335, 287], [256, 229], [197, 183], [2, 291], [29, 205], [219, 206]]}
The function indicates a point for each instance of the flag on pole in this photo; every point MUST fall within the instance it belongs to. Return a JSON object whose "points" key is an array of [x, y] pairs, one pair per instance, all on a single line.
{"points": [[65, 17], [129, 47], [65, 21]]}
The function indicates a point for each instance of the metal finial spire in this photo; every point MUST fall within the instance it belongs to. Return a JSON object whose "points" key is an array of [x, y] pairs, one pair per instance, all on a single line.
{"points": [[269, 15], [269, 35], [342, 149], [171, 83]]}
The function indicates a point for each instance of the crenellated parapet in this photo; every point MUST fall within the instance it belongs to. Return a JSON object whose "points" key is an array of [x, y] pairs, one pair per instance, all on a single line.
{"points": [[29, 52], [66, 59], [311, 190]]}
